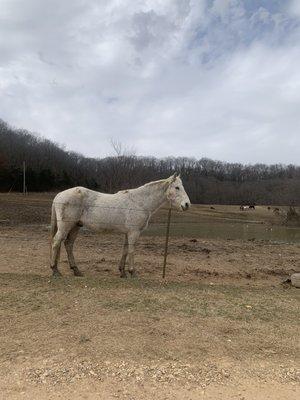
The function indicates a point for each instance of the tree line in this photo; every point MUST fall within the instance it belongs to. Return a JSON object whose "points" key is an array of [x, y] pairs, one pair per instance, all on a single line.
{"points": [[50, 167]]}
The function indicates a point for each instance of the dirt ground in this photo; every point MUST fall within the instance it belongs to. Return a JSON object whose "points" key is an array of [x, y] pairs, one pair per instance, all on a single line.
{"points": [[222, 326]]}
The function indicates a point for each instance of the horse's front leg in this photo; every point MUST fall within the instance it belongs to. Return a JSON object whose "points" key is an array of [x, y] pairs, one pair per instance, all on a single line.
{"points": [[123, 258], [132, 238]]}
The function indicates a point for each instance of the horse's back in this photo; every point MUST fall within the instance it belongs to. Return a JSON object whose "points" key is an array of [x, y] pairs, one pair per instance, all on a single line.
{"points": [[74, 196]]}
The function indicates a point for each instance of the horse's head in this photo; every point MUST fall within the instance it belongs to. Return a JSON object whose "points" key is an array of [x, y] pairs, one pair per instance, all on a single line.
{"points": [[176, 194]]}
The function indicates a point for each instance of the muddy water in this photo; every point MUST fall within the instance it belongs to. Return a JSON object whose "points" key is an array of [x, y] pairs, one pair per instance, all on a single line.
{"points": [[219, 230]]}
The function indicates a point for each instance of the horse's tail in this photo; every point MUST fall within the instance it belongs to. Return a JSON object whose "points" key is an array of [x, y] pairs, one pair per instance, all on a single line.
{"points": [[53, 228]]}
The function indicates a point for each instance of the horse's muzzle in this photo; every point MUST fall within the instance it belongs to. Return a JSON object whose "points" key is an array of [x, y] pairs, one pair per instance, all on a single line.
{"points": [[185, 206]]}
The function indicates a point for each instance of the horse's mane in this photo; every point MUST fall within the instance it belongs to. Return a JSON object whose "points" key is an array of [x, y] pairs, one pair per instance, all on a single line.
{"points": [[155, 182], [146, 185]]}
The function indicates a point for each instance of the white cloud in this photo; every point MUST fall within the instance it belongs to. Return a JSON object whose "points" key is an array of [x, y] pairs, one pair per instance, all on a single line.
{"points": [[294, 7], [166, 77]]}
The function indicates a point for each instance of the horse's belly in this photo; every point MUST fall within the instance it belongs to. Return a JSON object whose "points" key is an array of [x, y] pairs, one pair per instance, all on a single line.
{"points": [[104, 228], [104, 223]]}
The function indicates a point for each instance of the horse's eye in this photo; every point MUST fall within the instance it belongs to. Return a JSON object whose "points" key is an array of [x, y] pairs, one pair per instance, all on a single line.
{"points": [[177, 188]]}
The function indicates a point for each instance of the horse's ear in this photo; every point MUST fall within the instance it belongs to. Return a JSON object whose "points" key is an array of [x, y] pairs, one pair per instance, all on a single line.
{"points": [[170, 180], [173, 177]]}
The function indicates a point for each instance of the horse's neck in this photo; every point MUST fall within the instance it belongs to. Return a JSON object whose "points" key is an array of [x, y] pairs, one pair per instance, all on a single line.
{"points": [[150, 197]]}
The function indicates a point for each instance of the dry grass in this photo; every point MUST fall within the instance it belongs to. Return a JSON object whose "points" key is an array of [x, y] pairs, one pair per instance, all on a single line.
{"points": [[146, 319]]}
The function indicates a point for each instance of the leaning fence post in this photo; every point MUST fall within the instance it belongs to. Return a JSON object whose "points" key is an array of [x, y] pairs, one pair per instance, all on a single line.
{"points": [[167, 242]]}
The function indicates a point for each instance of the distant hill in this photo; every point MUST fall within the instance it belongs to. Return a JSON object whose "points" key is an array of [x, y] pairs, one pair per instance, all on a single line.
{"points": [[50, 168]]}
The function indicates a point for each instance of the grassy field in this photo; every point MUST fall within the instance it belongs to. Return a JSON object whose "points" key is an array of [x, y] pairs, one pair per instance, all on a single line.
{"points": [[221, 326], [204, 221], [35, 208]]}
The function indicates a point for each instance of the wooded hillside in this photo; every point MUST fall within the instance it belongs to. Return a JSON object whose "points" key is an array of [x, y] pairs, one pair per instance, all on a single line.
{"points": [[51, 167]]}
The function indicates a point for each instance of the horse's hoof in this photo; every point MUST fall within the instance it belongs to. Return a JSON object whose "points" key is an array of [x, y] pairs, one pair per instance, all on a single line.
{"points": [[77, 272], [56, 273], [133, 274]]}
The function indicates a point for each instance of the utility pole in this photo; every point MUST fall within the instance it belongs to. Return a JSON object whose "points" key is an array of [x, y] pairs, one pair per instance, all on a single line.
{"points": [[24, 178]]}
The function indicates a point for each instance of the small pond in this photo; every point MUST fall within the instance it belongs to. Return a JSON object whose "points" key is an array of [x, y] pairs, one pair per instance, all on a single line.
{"points": [[221, 230]]}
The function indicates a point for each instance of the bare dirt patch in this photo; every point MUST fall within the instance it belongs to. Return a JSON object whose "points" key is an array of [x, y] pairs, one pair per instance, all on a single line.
{"points": [[221, 326]]}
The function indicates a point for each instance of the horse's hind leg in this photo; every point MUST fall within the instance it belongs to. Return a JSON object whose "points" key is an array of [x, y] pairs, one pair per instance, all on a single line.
{"points": [[123, 259], [69, 243], [55, 251]]}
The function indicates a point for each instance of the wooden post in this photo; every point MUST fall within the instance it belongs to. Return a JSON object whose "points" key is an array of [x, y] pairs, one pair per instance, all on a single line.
{"points": [[166, 243], [24, 177]]}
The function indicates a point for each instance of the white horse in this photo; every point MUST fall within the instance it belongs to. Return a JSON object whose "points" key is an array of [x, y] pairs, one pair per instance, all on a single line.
{"points": [[127, 211]]}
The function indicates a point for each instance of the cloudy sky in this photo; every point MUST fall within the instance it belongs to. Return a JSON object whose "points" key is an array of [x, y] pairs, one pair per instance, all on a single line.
{"points": [[199, 78]]}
